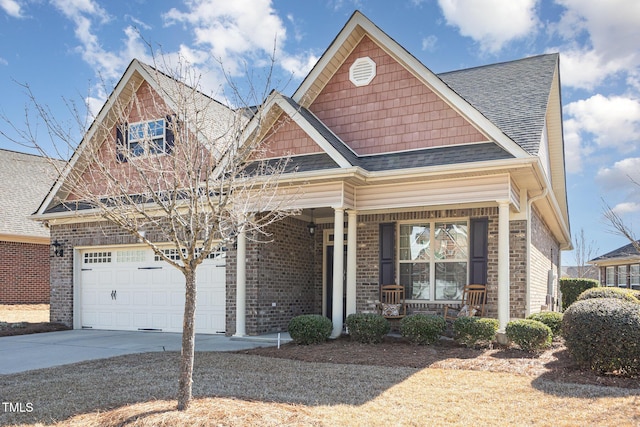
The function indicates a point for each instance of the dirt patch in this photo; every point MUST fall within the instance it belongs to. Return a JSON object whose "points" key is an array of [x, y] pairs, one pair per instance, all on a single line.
{"points": [[23, 319], [33, 313], [553, 364], [24, 328]]}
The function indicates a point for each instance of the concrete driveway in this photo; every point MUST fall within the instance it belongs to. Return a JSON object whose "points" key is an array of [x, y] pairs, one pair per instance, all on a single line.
{"points": [[26, 352]]}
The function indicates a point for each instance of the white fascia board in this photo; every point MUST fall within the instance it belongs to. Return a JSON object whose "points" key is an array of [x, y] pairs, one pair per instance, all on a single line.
{"points": [[88, 136], [313, 133], [417, 69]]}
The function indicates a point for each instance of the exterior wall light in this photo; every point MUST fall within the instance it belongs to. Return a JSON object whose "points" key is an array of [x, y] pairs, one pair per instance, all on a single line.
{"points": [[58, 251]]}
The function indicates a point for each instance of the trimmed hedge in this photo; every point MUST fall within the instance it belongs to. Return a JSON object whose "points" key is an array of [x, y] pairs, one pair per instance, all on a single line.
{"points": [[608, 292], [310, 329], [422, 328], [368, 328], [571, 288], [552, 319], [529, 335], [474, 331], [604, 335]]}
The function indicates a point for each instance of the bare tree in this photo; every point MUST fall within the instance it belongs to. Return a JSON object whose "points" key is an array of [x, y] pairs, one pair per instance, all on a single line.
{"points": [[198, 188], [618, 225], [584, 251]]}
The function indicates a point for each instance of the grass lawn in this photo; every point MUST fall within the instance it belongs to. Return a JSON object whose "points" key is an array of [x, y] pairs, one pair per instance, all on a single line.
{"points": [[248, 389], [242, 389]]}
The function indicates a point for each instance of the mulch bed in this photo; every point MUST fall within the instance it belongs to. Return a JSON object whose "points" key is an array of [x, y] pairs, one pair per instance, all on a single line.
{"points": [[553, 364], [24, 328]]}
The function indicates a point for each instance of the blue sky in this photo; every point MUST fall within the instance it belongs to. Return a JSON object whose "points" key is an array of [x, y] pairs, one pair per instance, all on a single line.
{"points": [[63, 49]]}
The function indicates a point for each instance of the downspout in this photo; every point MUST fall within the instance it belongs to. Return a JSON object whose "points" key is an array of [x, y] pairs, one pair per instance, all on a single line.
{"points": [[529, 205]]}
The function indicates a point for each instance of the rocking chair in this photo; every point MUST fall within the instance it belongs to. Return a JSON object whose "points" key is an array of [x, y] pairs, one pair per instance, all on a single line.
{"points": [[472, 304], [392, 305]]}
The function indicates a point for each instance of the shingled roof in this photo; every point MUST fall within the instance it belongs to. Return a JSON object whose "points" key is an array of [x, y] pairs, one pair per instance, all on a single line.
{"points": [[513, 95], [624, 252], [26, 179]]}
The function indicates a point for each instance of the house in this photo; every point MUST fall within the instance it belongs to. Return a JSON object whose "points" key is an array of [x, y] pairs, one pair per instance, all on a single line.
{"points": [[430, 181], [620, 267], [24, 244]]}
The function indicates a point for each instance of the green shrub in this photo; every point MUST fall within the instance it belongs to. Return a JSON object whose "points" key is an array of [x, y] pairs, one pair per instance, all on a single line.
{"points": [[422, 328], [604, 335], [552, 319], [474, 331], [368, 328], [310, 329], [529, 335], [571, 288], [608, 292]]}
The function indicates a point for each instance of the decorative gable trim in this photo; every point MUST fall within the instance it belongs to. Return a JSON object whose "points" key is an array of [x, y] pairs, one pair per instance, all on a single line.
{"points": [[362, 71], [357, 27]]}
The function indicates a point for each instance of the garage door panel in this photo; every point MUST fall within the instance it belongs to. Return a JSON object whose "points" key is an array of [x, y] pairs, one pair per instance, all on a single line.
{"points": [[149, 294], [159, 299], [123, 319]]}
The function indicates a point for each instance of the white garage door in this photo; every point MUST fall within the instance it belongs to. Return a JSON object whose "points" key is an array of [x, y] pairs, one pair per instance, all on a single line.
{"points": [[132, 289]]}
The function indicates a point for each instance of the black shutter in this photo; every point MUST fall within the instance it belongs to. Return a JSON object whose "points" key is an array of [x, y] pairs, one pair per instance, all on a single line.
{"points": [[121, 142], [169, 135], [479, 250], [387, 273]]}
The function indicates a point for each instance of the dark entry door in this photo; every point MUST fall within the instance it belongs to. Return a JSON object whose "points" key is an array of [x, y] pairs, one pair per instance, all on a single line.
{"points": [[329, 283]]}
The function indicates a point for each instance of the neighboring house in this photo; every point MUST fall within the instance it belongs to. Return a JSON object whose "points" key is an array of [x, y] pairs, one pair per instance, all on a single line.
{"points": [[24, 243], [430, 181], [620, 267]]}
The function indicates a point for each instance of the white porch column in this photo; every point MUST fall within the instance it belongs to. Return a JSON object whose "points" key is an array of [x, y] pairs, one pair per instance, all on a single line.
{"points": [[338, 268], [352, 245], [241, 285], [503, 265]]}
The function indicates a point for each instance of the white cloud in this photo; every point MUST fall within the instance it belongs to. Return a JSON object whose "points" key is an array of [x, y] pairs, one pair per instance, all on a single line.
{"points": [[586, 69], [3, 61], [85, 14], [612, 31], [12, 8], [625, 208], [299, 66], [626, 170], [228, 30], [429, 43], [233, 33], [613, 121], [575, 150], [492, 23], [622, 178]]}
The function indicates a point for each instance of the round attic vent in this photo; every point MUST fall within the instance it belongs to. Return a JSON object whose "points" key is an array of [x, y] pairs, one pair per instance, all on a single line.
{"points": [[362, 71]]}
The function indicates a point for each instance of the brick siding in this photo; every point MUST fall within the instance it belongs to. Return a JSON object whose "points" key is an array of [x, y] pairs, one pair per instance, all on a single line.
{"points": [[24, 273]]}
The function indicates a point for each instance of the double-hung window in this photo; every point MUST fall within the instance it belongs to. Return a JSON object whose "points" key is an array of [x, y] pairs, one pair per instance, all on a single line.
{"points": [[610, 276], [147, 138], [634, 276], [622, 276], [433, 259]]}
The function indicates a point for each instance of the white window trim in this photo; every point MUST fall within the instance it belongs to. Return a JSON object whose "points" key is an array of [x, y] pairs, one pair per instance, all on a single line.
{"points": [[432, 261], [146, 140]]}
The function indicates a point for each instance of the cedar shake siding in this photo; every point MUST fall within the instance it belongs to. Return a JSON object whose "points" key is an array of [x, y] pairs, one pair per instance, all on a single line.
{"points": [[395, 112]]}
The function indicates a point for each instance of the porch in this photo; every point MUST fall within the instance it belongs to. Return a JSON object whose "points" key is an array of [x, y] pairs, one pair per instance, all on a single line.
{"points": [[294, 273]]}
